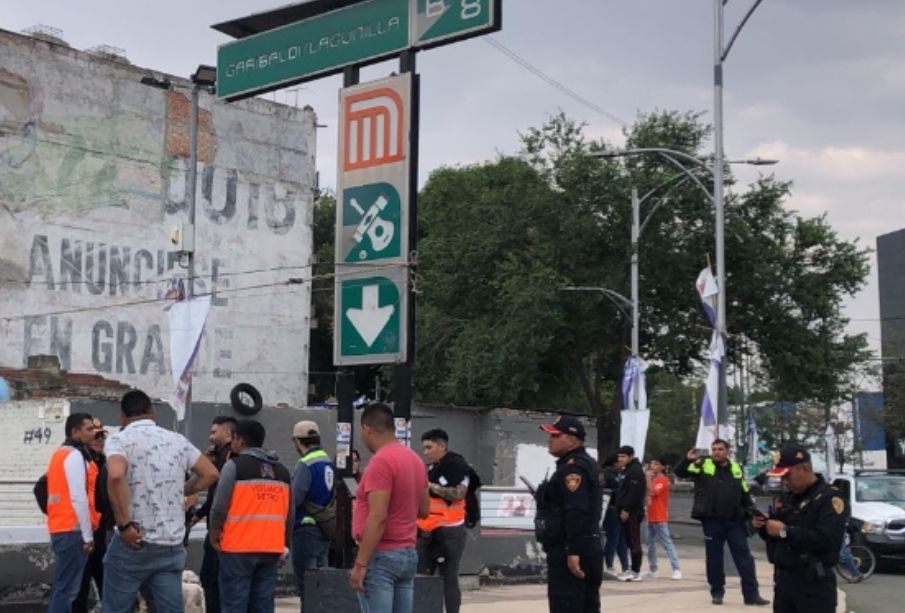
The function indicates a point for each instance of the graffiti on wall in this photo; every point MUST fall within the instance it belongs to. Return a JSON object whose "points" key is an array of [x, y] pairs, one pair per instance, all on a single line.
{"points": [[93, 180]]}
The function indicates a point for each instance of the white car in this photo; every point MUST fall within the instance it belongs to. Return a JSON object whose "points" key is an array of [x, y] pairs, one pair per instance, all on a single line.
{"points": [[877, 499]]}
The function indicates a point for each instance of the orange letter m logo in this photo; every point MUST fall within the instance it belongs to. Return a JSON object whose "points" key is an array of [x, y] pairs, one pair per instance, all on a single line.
{"points": [[374, 129]]}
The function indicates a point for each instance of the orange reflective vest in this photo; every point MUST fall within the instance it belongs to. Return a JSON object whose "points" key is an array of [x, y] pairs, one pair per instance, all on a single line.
{"points": [[443, 514], [93, 513], [257, 513], [61, 516]]}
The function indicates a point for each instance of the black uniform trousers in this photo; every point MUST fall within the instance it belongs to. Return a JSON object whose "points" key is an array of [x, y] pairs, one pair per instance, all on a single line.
{"points": [[798, 591], [566, 593]]}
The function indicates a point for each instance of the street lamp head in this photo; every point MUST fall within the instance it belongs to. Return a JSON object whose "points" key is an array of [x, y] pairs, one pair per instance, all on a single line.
{"points": [[607, 154], [205, 75], [754, 162]]}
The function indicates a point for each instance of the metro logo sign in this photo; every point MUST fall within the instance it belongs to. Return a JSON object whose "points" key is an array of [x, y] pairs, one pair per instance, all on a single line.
{"points": [[374, 129], [371, 299]]}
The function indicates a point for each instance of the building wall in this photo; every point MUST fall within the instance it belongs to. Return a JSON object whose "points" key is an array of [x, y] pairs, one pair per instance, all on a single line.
{"points": [[93, 179], [891, 274]]}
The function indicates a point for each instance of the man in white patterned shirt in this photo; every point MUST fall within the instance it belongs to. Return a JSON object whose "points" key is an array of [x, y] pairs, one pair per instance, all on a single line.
{"points": [[146, 468]]}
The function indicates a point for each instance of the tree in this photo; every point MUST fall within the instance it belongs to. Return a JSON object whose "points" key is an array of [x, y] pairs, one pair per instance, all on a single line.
{"points": [[320, 355], [501, 240]]}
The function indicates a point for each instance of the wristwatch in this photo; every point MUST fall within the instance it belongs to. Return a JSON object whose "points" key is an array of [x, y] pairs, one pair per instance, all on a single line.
{"points": [[782, 533], [125, 526]]}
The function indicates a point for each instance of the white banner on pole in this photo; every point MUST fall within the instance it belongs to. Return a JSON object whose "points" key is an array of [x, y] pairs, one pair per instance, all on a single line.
{"points": [[633, 430], [186, 320]]}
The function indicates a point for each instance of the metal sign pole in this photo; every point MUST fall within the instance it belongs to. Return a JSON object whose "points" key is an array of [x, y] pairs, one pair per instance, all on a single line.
{"points": [[402, 373]]}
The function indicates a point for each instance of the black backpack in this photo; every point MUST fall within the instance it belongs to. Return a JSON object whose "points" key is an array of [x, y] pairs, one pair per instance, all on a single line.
{"points": [[472, 502], [40, 492]]}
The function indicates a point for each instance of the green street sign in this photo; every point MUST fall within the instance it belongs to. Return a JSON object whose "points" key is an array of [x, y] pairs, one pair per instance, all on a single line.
{"points": [[314, 47], [371, 329], [372, 223], [361, 33], [437, 22]]}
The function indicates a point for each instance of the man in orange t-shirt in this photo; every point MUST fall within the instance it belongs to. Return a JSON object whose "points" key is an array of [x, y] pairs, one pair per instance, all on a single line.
{"points": [[658, 521]]}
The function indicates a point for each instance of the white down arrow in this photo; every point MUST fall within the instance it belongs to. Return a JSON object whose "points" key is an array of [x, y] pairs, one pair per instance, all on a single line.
{"points": [[370, 319]]}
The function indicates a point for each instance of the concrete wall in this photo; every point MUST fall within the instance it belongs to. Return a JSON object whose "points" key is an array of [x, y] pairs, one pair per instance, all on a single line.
{"points": [[488, 438], [93, 178]]}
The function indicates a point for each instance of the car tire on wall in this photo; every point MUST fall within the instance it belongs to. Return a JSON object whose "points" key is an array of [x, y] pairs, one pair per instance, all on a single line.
{"points": [[246, 399]]}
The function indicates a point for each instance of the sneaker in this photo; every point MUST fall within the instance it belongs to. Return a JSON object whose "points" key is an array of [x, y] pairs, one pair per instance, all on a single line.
{"points": [[676, 575], [610, 575], [625, 575], [650, 574], [716, 599], [635, 577]]}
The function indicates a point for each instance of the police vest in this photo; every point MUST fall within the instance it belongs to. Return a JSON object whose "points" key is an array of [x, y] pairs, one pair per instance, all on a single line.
{"points": [[708, 468], [61, 516], [320, 492], [256, 518]]}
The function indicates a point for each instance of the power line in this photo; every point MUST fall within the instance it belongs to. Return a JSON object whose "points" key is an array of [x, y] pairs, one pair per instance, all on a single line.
{"points": [[287, 283], [550, 80]]}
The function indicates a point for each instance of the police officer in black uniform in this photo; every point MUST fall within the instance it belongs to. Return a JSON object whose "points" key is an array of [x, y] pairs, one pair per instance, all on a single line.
{"points": [[568, 517], [804, 532]]}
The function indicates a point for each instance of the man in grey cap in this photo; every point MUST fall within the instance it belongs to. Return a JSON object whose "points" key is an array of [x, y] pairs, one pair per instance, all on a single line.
{"points": [[312, 493]]}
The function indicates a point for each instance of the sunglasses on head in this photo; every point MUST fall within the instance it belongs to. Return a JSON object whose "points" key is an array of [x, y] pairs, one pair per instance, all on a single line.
{"points": [[100, 435]]}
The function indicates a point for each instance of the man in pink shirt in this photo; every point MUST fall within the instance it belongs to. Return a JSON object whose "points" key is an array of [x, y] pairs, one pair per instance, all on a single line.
{"points": [[392, 494]]}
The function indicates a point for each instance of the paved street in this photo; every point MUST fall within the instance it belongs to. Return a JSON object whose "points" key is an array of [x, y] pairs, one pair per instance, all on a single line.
{"points": [[689, 594]]}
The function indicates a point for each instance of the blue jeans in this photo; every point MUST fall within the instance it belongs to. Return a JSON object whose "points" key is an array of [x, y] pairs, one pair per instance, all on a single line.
{"points": [[158, 567], [659, 531], [69, 560], [390, 582], [309, 551], [247, 582], [615, 540], [720, 532], [845, 557]]}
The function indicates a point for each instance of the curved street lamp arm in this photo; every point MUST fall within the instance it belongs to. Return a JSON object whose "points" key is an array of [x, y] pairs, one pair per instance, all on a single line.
{"points": [[660, 202], [669, 157], [662, 151], [616, 298], [739, 29]]}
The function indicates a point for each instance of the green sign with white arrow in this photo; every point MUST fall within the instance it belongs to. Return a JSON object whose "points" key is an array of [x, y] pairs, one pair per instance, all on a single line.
{"points": [[371, 330]]}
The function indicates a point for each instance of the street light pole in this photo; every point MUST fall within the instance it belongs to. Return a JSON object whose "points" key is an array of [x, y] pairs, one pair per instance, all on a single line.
{"points": [[636, 231], [718, 203], [203, 78], [719, 56]]}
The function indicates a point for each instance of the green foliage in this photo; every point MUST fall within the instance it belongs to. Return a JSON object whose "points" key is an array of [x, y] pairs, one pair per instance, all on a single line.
{"points": [[320, 360], [502, 239]]}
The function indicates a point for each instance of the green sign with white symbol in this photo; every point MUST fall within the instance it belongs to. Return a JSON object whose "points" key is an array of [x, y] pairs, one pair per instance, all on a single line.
{"points": [[371, 329], [372, 223], [441, 21]]}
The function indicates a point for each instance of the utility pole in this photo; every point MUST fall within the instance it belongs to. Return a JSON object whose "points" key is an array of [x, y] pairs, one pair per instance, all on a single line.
{"points": [[636, 314], [190, 197], [719, 56], [719, 205]]}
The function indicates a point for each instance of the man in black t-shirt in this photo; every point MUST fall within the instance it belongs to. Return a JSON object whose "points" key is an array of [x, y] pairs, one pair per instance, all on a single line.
{"points": [[441, 535]]}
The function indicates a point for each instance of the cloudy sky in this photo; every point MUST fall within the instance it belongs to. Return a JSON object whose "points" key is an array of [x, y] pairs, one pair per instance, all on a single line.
{"points": [[817, 84]]}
